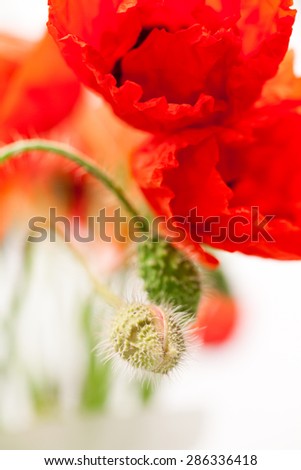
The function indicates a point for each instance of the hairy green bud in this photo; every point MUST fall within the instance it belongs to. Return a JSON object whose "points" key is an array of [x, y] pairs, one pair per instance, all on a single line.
{"points": [[148, 338], [169, 276]]}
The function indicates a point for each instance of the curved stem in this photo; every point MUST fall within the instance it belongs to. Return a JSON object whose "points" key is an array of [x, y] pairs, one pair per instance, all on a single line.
{"points": [[22, 146]]}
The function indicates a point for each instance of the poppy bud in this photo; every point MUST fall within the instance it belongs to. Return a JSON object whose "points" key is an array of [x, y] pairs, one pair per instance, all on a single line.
{"points": [[169, 276], [217, 315], [148, 338], [216, 320]]}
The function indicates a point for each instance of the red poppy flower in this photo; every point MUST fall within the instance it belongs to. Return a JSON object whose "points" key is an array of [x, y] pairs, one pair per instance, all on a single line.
{"points": [[236, 189], [37, 89], [165, 65], [216, 319]]}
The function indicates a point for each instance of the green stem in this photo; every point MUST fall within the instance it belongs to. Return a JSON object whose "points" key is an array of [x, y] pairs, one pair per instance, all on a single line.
{"points": [[42, 145]]}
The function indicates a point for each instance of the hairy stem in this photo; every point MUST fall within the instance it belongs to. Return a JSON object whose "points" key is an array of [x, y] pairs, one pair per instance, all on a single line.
{"points": [[42, 145]]}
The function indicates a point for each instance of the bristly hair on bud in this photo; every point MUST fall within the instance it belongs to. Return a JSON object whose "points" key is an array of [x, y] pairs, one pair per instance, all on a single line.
{"points": [[170, 276], [149, 338]]}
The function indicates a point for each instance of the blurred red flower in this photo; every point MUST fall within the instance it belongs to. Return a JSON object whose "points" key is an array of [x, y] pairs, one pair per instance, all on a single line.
{"points": [[165, 65], [216, 319], [41, 96], [37, 92], [37, 88]]}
